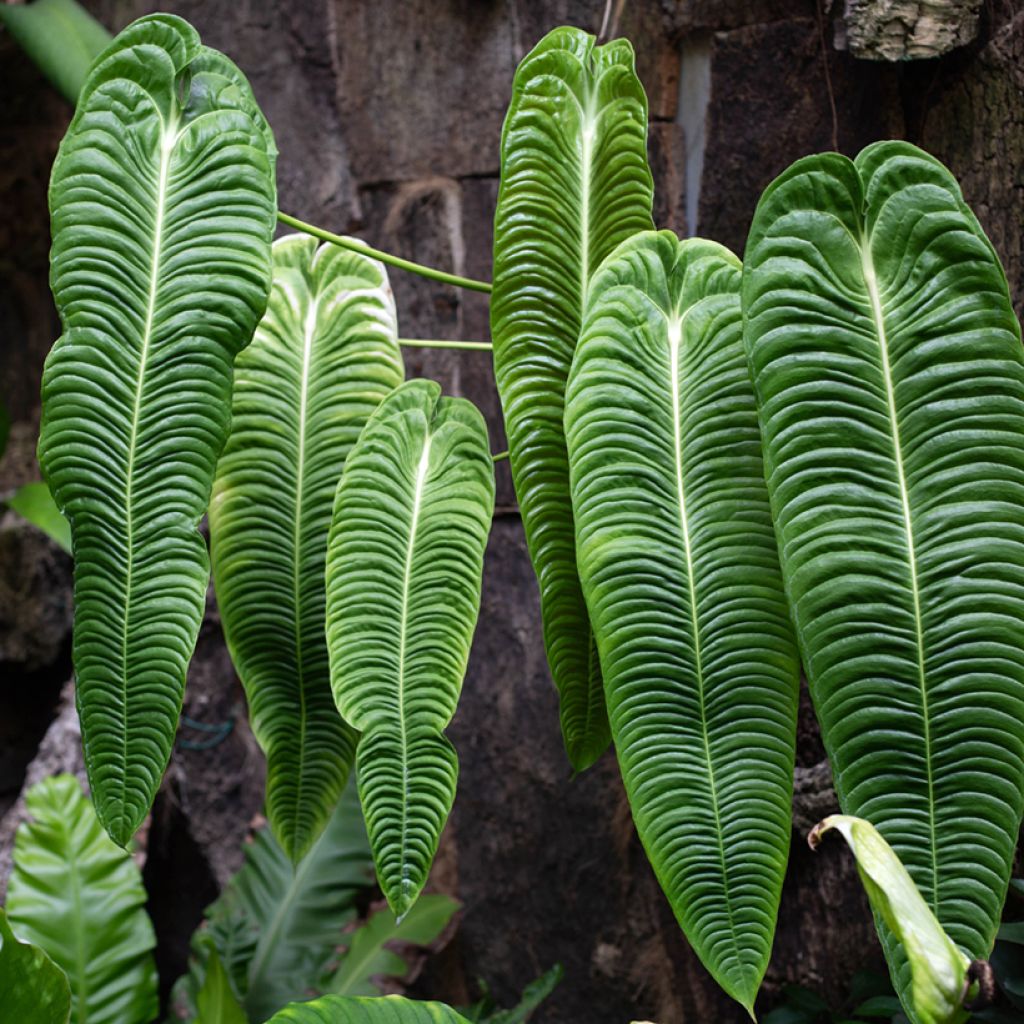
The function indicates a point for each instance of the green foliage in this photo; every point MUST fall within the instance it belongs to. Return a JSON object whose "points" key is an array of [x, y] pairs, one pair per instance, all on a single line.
{"points": [[485, 1011], [404, 565], [35, 989], [574, 183], [678, 563], [216, 1001], [79, 898], [325, 354], [348, 1010], [890, 381], [277, 925], [61, 36], [35, 503], [368, 956], [135, 392], [938, 970]]}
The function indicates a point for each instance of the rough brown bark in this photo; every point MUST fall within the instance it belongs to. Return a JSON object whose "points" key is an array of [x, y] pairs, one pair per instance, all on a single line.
{"points": [[388, 117]]}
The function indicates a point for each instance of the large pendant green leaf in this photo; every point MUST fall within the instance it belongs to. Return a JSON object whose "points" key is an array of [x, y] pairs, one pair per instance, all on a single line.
{"points": [[77, 896], [162, 203], [890, 381], [404, 565], [574, 184], [678, 563], [324, 356]]}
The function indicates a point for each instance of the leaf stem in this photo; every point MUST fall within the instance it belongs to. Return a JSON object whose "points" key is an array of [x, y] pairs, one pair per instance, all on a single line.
{"points": [[384, 257], [476, 346], [500, 456]]}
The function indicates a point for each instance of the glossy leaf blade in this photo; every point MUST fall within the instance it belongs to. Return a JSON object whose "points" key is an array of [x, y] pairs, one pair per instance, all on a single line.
{"points": [[574, 184], [404, 565], [216, 1001], [34, 988], [938, 970], [324, 356], [678, 563], [887, 364], [351, 1010], [77, 896], [162, 214], [34, 503]]}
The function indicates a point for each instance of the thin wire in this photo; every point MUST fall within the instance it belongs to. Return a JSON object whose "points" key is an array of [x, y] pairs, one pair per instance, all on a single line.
{"points": [[384, 257]]}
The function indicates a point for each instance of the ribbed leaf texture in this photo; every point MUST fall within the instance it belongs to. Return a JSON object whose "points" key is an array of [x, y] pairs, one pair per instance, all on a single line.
{"points": [[678, 562], [350, 1010], [34, 988], [162, 214], [404, 566], [574, 183], [324, 356], [890, 381], [277, 925], [79, 898]]}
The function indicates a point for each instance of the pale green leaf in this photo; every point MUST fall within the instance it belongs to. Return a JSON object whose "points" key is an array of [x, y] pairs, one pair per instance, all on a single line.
{"points": [[384, 1010], [34, 989], [324, 356], [938, 970], [163, 206], [80, 898], [889, 373], [678, 563], [61, 36], [574, 183], [35, 503], [404, 566], [217, 1002], [368, 957]]}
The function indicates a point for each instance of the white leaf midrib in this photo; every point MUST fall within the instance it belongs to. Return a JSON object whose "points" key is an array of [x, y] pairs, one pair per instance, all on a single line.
{"points": [[168, 139], [417, 504], [675, 336], [878, 317]]}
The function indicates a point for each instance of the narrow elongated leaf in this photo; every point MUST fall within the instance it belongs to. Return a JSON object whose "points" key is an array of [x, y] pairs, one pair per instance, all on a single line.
{"points": [[61, 36], [325, 354], [938, 970], [33, 987], [890, 382], [678, 563], [404, 565], [35, 503], [77, 896], [574, 183], [163, 206], [350, 1010], [368, 958]]}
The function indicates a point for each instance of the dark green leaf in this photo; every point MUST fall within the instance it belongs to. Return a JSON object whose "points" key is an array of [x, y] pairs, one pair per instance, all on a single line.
{"points": [[889, 372], [163, 206], [324, 356], [574, 183], [404, 564], [679, 567]]}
